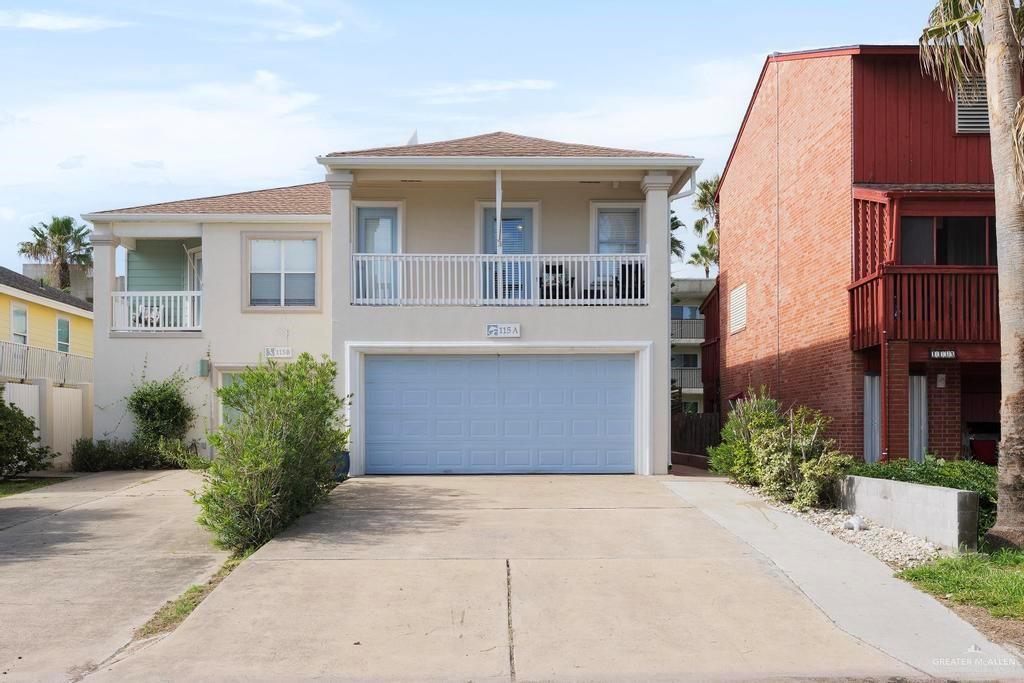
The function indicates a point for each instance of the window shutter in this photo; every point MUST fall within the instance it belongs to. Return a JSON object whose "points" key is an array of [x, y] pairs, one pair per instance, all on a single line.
{"points": [[972, 106], [737, 309]]}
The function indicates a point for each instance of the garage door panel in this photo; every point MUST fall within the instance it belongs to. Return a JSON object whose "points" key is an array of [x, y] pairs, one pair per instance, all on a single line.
{"points": [[499, 414]]}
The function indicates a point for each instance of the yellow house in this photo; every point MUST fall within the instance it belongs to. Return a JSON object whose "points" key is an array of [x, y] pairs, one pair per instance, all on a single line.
{"points": [[32, 314]]}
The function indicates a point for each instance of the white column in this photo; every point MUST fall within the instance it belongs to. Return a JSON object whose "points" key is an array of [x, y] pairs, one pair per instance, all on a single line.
{"points": [[340, 183], [104, 248], [655, 186]]}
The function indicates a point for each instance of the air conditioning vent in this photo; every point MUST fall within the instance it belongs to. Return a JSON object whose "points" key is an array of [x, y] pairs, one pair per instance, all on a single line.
{"points": [[972, 106]]}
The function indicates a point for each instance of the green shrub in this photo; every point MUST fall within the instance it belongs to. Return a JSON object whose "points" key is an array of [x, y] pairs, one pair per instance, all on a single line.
{"points": [[161, 410], [20, 450], [112, 454], [274, 458], [175, 453], [796, 462], [967, 475], [734, 456]]}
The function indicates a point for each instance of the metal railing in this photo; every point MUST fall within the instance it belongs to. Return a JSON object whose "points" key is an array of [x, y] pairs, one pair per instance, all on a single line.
{"points": [[499, 280], [20, 362], [156, 311], [688, 329], [686, 378]]}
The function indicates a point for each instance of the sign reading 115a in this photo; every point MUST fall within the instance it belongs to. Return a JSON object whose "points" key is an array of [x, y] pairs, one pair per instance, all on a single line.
{"points": [[503, 330]]}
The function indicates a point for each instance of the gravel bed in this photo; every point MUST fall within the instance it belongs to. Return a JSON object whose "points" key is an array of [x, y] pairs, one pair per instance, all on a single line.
{"points": [[897, 549]]}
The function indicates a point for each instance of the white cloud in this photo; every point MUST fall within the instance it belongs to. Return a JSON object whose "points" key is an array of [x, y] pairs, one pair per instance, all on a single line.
{"points": [[7, 213], [305, 30], [149, 164], [477, 91], [50, 21], [72, 162]]}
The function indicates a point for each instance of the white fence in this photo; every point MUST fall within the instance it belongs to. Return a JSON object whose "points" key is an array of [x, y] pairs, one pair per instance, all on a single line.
{"points": [[20, 362], [499, 280], [62, 414], [67, 420], [24, 396], [155, 311]]}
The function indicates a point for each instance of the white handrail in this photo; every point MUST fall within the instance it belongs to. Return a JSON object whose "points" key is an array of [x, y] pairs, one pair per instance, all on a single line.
{"points": [[21, 362], [499, 280], [156, 311]]}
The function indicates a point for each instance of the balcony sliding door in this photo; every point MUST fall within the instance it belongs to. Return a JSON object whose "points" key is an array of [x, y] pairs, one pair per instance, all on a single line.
{"points": [[508, 279], [377, 228]]}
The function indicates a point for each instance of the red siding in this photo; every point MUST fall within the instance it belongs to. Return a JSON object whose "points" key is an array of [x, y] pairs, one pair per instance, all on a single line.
{"points": [[905, 129]]}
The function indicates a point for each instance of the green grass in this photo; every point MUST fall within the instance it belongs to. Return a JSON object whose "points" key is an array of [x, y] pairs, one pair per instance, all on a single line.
{"points": [[175, 611], [994, 582], [12, 486]]}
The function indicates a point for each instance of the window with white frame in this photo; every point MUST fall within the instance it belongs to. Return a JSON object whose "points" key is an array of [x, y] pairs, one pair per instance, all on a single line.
{"points": [[737, 308], [19, 324], [618, 230], [282, 272], [64, 335]]}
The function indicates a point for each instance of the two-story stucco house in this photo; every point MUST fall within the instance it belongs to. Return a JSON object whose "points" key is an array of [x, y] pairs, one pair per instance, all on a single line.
{"points": [[495, 304]]}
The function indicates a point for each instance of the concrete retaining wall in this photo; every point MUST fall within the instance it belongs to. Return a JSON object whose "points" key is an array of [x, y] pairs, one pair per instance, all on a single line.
{"points": [[944, 516]]}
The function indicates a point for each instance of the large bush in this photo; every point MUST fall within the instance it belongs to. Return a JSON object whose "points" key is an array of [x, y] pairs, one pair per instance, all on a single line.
{"points": [[20, 450], [734, 456], [273, 459], [161, 411], [967, 475], [116, 454]]}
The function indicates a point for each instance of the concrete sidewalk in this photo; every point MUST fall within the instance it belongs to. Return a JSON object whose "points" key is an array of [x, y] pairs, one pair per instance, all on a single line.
{"points": [[857, 592], [85, 562], [503, 578]]}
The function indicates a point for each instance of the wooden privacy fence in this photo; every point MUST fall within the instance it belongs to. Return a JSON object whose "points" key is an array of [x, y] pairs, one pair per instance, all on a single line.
{"points": [[692, 435], [62, 414]]}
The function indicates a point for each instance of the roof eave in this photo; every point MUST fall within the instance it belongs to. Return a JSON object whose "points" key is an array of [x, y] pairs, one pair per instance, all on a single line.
{"points": [[532, 163], [127, 217]]}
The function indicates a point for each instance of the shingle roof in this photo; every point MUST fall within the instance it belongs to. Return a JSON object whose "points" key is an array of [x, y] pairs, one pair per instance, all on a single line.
{"points": [[501, 144], [26, 284], [310, 199]]}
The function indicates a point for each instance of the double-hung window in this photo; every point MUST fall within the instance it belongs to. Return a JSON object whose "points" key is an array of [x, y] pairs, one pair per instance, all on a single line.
{"points": [[19, 324], [618, 230], [282, 272], [63, 335]]}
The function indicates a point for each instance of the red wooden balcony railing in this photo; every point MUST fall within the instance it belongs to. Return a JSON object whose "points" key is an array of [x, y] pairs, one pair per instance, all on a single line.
{"points": [[925, 304]]}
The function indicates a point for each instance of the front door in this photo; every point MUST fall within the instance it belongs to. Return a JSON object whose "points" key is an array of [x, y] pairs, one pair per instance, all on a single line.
{"points": [[377, 233], [508, 279], [918, 416]]}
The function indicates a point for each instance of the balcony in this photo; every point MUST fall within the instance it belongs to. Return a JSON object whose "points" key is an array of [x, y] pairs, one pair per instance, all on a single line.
{"points": [[22, 363], [499, 280], [180, 311], [686, 330], [686, 378], [925, 304]]}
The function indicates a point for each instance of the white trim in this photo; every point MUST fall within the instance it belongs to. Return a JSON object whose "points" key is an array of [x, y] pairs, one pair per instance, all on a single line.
{"points": [[18, 306], [44, 301], [205, 218], [643, 417], [56, 333], [598, 204], [219, 370], [356, 204], [478, 221], [493, 163]]}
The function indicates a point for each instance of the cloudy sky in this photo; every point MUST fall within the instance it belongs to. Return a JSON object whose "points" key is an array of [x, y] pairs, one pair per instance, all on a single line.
{"points": [[116, 103]]}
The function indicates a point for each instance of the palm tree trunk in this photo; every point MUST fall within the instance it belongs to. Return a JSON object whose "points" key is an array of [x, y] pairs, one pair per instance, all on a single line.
{"points": [[63, 275], [1003, 80]]}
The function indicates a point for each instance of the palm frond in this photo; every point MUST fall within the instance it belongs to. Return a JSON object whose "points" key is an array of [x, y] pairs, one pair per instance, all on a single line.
{"points": [[952, 44]]}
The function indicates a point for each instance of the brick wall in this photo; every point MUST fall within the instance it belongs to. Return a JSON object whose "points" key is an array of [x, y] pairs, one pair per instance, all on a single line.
{"points": [[786, 211], [944, 426]]}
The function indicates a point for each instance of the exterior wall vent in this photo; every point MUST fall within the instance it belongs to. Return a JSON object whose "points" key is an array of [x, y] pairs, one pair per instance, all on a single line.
{"points": [[972, 106], [737, 308]]}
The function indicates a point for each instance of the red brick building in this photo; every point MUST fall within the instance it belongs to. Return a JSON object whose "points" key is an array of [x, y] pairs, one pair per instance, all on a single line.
{"points": [[858, 256]]}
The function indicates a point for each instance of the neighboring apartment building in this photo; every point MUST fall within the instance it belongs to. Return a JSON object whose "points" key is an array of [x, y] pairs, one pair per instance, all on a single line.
{"points": [[496, 303], [858, 255], [687, 334], [81, 278]]}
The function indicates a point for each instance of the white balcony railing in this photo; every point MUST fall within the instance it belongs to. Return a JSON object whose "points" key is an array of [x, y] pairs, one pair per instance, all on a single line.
{"points": [[156, 311], [20, 362], [493, 280]]}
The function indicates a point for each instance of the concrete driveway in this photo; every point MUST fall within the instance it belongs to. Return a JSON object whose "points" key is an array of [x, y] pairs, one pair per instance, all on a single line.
{"points": [[85, 562], [532, 578]]}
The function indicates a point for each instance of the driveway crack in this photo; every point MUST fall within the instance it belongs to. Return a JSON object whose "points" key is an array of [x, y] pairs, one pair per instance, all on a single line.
{"points": [[511, 631]]}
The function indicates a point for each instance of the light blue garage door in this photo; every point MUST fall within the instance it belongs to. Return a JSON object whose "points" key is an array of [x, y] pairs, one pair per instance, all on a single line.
{"points": [[499, 414]]}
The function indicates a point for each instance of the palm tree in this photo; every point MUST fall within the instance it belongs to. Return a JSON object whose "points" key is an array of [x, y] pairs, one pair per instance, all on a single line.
{"points": [[704, 201], [705, 257], [965, 38], [62, 243], [675, 244]]}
